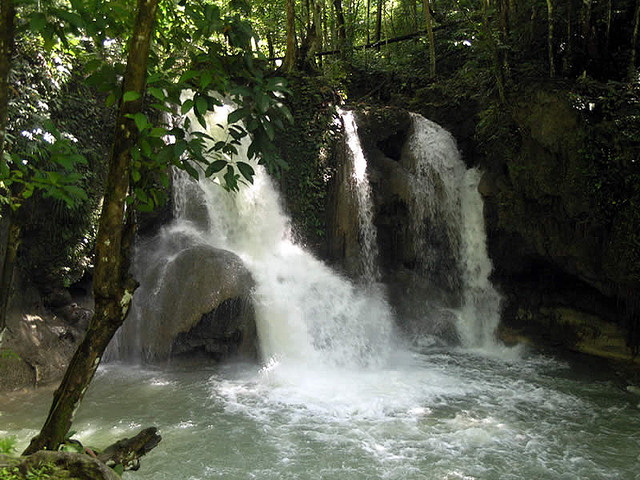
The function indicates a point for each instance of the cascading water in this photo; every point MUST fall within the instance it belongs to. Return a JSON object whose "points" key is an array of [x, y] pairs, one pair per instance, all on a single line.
{"points": [[447, 228], [305, 312], [367, 230]]}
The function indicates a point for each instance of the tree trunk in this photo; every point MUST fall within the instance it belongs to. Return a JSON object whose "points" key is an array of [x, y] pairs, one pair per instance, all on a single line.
{"points": [[291, 53], [127, 452], [8, 264], [378, 35], [586, 21], [552, 68], [567, 61], [341, 31], [113, 287], [607, 32], [432, 46], [7, 15], [6, 48], [317, 21], [634, 42], [368, 20], [493, 47]]}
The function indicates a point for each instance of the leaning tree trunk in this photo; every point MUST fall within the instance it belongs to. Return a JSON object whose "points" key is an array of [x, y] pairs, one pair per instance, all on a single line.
{"points": [[10, 250], [113, 287]]}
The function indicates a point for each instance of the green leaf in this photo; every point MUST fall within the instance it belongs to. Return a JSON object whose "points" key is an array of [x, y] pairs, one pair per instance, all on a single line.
{"points": [[77, 193], [215, 167], [190, 170], [158, 132], [237, 115], [263, 103], [230, 178], [141, 194], [201, 106], [135, 175], [38, 22], [158, 93], [205, 79], [188, 75], [111, 99], [162, 107], [140, 120], [269, 129], [287, 114], [131, 96], [186, 106], [145, 147], [246, 170], [201, 120], [241, 91]]}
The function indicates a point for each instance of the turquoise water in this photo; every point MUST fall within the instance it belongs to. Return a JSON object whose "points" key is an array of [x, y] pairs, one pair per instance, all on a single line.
{"points": [[430, 415]]}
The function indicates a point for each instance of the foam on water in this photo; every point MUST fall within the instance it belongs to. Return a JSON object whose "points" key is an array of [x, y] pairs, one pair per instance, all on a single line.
{"points": [[425, 416]]}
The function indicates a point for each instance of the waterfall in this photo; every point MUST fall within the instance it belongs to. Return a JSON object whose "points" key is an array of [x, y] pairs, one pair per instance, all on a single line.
{"points": [[447, 229], [306, 314], [367, 230]]}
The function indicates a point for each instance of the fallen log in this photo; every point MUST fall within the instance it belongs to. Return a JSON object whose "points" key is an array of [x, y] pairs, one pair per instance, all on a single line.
{"points": [[127, 452]]}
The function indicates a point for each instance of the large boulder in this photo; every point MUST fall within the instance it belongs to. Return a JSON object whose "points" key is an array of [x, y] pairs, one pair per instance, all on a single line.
{"points": [[199, 301]]}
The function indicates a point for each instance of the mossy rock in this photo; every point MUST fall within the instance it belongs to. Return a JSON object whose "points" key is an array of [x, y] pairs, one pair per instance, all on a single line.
{"points": [[55, 466]]}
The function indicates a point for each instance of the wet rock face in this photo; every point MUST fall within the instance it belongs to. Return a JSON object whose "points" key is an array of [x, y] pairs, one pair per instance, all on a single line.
{"points": [[220, 333], [38, 345], [383, 133]]}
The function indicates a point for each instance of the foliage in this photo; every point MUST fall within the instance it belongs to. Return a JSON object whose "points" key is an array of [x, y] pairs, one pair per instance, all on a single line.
{"points": [[307, 147], [612, 114], [55, 167], [7, 445], [40, 472]]}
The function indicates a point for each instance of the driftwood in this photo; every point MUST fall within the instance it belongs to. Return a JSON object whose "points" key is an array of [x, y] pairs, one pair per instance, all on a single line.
{"points": [[127, 452]]}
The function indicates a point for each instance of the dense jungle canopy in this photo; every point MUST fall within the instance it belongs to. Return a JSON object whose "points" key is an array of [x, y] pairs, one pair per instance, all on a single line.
{"points": [[90, 92]]}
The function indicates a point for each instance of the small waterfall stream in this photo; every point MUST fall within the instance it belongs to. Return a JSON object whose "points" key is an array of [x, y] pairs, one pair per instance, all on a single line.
{"points": [[367, 234], [447, 226]]}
